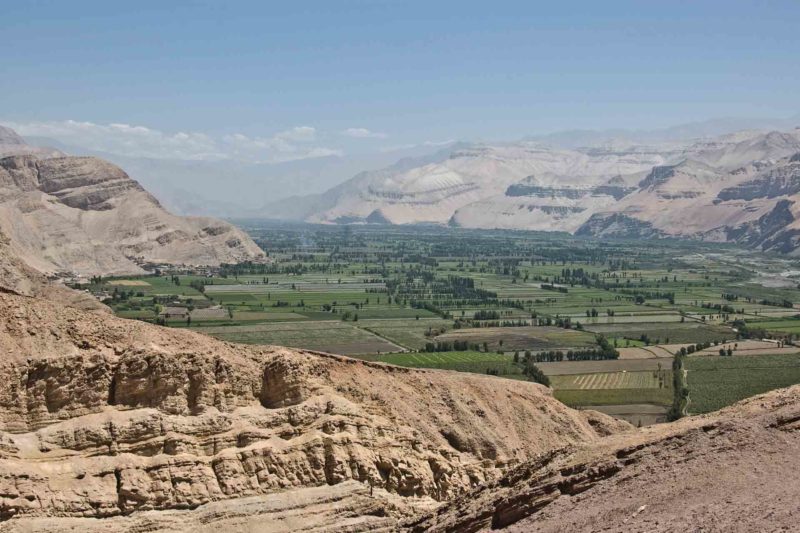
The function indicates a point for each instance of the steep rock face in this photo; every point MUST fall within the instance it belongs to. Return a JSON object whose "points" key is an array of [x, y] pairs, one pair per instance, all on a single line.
{"points": [[540, 203], [753, 205], [618, 225], [85, 215], [726, 471], [110, 417], [707, 189], [776, 231], [735, 150], [775, 181], [85, 183]]}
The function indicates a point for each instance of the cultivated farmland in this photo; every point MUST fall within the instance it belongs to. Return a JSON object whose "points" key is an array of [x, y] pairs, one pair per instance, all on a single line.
{"points": [[597, 317]]}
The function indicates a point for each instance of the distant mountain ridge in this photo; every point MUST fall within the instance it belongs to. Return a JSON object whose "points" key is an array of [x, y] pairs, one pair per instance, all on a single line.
{"points": [[616, 189]]}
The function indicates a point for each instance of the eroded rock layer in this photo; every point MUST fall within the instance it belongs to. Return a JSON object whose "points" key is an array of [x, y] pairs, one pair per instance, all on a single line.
{"points": [[109, 417]]}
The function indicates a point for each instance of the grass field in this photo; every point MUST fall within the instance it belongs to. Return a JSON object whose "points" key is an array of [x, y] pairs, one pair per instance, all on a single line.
{"points": [[586, 398], [522, 338], [328, 336], [686, 332], [410, 333], [715, 382], [613, 380]]}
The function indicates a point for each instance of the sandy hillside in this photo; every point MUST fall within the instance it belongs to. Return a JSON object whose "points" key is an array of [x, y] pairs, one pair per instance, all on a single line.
{"points": [[734, 470]]}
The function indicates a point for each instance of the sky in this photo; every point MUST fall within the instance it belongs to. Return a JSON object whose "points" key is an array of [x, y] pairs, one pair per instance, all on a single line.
{"points": [[278, 81]]}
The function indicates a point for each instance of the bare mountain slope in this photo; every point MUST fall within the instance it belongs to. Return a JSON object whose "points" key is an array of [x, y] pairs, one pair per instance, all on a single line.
{"points": [[733, 470], [615, 189], [110, 417], [84, 215], [432, 192], [13, 144], [16, 277], [755, 205]]}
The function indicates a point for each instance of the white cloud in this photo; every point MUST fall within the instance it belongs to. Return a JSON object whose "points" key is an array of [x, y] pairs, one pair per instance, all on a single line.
{"points": [[140, 141], [363, 133], [439, 143], [299, 134], [399, 147]]}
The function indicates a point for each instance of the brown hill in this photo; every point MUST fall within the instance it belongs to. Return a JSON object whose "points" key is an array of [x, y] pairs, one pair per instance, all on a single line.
{"points": [[86, 216], [130, 422], [734, 470]]}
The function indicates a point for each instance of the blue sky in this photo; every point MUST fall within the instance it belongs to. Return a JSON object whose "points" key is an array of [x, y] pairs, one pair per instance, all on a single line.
{"points": [[377, 74]]}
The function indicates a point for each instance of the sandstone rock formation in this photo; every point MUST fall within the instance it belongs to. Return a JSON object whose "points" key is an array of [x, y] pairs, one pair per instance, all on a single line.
{"points": [[86, 216], [115, 418], [733, 470], [467, 186]]}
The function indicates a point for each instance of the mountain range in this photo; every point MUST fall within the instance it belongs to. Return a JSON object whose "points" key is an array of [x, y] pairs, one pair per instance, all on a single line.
{"points": [[739, 187]]}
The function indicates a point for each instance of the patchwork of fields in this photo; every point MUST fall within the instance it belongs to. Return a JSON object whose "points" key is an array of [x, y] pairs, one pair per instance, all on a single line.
{"points": [[483, 301], [327, 336]]}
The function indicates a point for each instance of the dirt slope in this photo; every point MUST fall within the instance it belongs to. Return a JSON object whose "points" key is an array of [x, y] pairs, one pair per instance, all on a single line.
{"points": [[734, 470], [110, 418], [18, 278]]}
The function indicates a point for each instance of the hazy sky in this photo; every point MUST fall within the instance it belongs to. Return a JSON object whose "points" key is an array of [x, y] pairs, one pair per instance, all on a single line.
{"points": [[280, 80]]}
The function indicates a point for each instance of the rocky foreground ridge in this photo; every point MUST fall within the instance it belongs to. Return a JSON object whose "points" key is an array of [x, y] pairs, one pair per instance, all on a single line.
{"points": [[86, 216], [734, 470], [106, 417]]}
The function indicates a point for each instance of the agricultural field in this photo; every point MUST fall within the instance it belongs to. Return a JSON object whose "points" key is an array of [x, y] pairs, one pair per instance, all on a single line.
{"points": [[597, 317], [475, 362], [715, 381], [329, 336], [409, 333], [532, 338]]}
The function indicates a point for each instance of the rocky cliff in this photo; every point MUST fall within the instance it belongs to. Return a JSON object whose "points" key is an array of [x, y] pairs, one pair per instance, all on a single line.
{"points": [[16, 277], [727, 471], [84, 215], [754, 205], [116, 418]]}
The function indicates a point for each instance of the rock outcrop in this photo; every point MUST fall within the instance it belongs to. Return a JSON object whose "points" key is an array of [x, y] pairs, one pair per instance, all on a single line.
{"points": [[104, 418], [732, 470], [85, 216]]}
